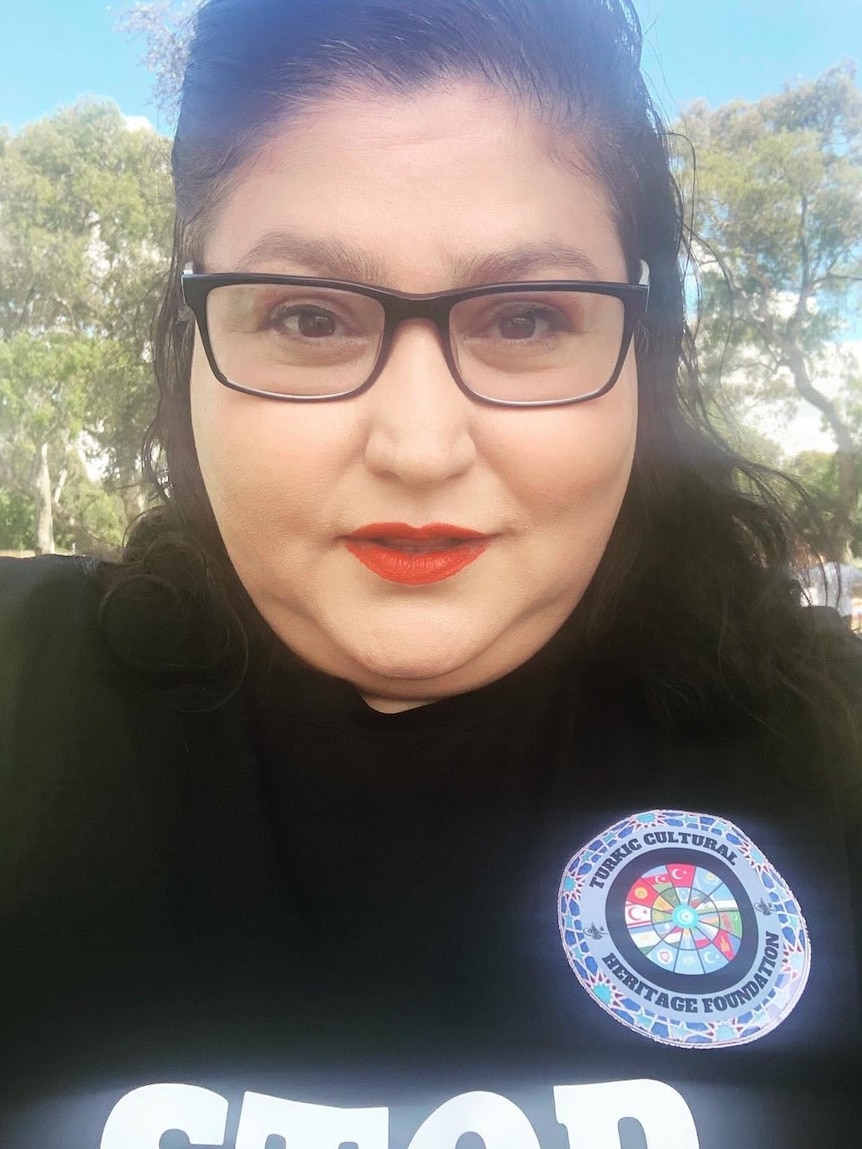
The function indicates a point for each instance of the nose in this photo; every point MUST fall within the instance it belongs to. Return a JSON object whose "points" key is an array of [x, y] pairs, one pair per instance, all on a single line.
{"points": [[421, 423]]}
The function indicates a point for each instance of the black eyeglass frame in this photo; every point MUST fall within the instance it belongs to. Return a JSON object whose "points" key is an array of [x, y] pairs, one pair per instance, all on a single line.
{"points": [[436, 306]]}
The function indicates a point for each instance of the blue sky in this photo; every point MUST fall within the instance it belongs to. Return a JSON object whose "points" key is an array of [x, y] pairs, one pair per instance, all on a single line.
{"points": [[52, 51]]}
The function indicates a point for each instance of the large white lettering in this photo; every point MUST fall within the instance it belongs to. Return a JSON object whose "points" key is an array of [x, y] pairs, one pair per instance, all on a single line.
{"points": [[497, 1120], [591, 1114], [311, 1126], [139, 1119]]}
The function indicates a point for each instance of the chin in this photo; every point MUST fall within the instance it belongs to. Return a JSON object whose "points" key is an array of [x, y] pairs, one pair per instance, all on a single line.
{"points": [[437, 662], [400, 669]]}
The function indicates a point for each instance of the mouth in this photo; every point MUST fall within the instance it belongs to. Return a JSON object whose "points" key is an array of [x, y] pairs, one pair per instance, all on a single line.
{"points": [[402, 533], [415, 547], [416, 556]]}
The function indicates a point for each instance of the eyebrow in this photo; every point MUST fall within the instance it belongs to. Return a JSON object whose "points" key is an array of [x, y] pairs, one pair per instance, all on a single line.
{"points": [[329, 258], [326, 258], [506, 266]]}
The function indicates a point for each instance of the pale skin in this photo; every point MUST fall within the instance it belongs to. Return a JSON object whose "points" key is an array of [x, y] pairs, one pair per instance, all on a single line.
{"points": [[415, 189]]}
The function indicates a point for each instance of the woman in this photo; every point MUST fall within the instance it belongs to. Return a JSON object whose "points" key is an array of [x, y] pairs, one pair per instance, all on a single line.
{"points": [[449, 759]]}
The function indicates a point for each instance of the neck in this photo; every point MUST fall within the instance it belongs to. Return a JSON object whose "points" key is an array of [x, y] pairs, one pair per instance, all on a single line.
{"points": [[393, 705]]}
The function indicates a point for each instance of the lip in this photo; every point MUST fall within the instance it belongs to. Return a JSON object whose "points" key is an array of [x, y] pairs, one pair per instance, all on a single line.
{"points": [[412, 568], [403, 531]]}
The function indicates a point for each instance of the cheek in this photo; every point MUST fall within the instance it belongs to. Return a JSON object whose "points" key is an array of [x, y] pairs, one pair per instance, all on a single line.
{"points": [[263, 463], [226, 439], [572, 464]]}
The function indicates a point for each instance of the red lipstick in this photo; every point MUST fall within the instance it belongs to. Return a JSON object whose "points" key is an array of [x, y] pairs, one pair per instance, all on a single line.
{"points": [[416, 556]]}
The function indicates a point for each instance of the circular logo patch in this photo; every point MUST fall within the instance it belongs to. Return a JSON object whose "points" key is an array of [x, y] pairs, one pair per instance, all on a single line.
{"points": [[679, 927]]}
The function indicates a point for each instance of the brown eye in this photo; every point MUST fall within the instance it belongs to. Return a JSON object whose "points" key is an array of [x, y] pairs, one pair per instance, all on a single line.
{"points": [[310, 322], [530, 322], [521, 326]]}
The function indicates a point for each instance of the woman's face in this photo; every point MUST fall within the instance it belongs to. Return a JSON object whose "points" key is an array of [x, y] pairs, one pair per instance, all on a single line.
{"points": [[411, 194]]}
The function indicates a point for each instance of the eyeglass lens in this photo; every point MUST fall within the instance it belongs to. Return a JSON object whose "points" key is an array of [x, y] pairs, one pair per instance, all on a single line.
{"points": [[517, 346]]}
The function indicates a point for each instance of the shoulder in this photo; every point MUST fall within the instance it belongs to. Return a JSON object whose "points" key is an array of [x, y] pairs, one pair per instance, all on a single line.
{"points": [[30, 586], [841, 651], [49, 646], [822, 704], [47, 604]]}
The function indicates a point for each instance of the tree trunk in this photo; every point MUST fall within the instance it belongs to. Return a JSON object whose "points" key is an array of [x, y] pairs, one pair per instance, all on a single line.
{"points": [[43, 505], [61, 483], [841, 529]]}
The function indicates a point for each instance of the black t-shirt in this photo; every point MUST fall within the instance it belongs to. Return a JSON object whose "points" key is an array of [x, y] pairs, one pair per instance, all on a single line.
{"points": [[521, 917]]}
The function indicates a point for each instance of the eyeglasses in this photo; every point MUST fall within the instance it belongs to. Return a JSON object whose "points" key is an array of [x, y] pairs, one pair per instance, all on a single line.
{"points": [[540, 344]]}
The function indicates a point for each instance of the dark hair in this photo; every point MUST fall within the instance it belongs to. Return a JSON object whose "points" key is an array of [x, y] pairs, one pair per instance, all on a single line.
{"points": [[692, 604]]}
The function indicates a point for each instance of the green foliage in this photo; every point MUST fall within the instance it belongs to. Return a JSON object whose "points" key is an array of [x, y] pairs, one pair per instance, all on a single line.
{"points": [[16, 522], [818, 471], [85, 222], [777, 231], [91, 518], [778, 199]]}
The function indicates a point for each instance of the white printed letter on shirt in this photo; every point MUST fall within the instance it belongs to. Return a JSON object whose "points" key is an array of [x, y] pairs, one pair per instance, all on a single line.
{"points": [[311, 1126], [591, 1114], [142, 1117], [497, 1120]]}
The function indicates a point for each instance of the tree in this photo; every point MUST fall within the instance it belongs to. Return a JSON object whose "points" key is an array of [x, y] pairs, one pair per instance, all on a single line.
{"points": [[816, 515], [165, 25], [85, 217], [777, 216]]}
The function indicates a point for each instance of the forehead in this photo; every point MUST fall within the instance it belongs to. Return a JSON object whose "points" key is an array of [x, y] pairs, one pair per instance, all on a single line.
{"points": [[385, 187]]}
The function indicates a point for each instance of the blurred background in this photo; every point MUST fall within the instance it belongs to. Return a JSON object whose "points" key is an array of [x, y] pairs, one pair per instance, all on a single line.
{"points": [[766, 108]]}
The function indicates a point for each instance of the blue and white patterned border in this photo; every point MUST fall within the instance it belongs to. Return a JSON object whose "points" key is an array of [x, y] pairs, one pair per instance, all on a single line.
{"points": [[584, 941]]}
